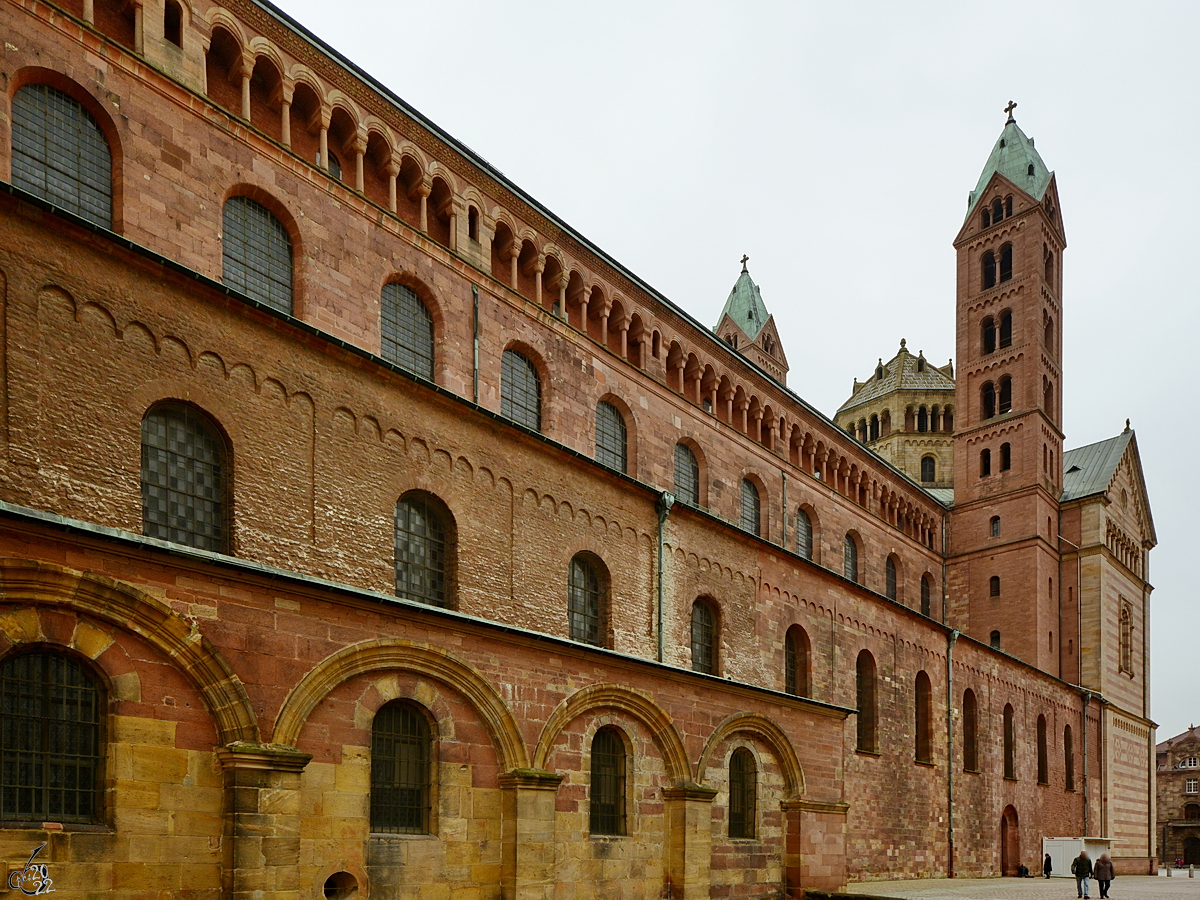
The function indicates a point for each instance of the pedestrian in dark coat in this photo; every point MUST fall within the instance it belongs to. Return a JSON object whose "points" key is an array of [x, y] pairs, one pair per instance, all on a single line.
{"points": [[1104, 874], [1081, 868], [1047, 866]]}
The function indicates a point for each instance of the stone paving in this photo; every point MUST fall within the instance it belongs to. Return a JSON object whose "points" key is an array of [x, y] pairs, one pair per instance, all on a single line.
{"points": [[1123, 888]]}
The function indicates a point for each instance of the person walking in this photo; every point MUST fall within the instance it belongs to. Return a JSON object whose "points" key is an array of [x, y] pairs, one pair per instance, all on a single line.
{"points": [[1104, 874], [1081, 868], [1047, 866]]}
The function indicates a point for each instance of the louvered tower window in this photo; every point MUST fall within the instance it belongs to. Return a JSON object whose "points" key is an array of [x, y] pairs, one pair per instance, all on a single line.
{"points": [[743, 791], [183, 479], [520, 391], [257, 254], [687, 475], [406, 330], [59, 153], [584, 602], [401, 773], [422, 548], [612, 440]]}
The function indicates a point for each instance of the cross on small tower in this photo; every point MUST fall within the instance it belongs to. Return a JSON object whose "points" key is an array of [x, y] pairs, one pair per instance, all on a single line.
{"points": [[745, 259], [1009, 109]]}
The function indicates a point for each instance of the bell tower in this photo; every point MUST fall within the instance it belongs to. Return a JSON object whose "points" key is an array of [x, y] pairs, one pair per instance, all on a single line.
{"points": [[1008, 441]]}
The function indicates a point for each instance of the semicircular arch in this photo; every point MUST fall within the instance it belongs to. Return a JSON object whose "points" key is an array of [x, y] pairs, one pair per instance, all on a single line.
{"points": [[766, 731]]}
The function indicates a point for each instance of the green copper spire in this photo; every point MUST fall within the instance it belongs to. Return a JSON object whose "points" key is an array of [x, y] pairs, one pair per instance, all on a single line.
{"points": [[1015, 158], [745, 305]]}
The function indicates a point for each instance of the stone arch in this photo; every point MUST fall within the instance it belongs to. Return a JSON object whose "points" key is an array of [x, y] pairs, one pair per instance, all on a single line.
{"points": [[763, 729], [106, 599], [440, 665], [613, 696]]}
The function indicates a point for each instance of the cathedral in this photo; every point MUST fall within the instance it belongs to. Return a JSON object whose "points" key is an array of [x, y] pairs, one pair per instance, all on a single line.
{"points": [[365, 530]]}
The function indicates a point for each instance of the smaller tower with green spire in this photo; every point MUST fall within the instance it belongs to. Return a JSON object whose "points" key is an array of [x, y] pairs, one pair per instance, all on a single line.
{"points": [[747, 327]]}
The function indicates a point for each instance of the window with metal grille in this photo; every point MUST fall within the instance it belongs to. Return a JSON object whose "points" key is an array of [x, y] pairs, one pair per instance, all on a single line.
{"points": [[184, 479], [850, 562], [804, 534], [606, 812], [1010, 742], [687, 475], [928, 469], [796, 662], [704, 627], [743, 793], [751, 507], [406, 330], [257, 254], [890, 579], [401, 770], [51, 740], [59, 153], [585, 602], [520, 391], [924, 722], [970, 732], [423, 550], [926, 595], [612, 439], [1069, 757], [865, 689]]}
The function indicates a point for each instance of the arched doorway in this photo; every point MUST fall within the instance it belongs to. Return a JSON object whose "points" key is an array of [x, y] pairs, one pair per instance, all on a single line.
{"points": [[1191, 851], [1010, 842]]}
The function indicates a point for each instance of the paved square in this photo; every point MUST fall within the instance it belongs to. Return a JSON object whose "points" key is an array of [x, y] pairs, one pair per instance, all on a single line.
{"points": [[1123, 888]]}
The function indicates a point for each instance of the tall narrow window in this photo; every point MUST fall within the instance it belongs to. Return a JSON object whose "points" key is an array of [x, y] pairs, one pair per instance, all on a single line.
{"points": [[970, 732], [1043, 763], [1010, 742], [257, 254], [988, 335], [1069, 757], [606, 812], [850, 559], [994, 640], [612, 438], [1005, 404], [59, 153], [406, 330], [890, 578], [989, 270], [796, 662], [922, 420], [987, 400], [804, 534], [926, 595], [995, 526], [928, 469], [743, 790], [401, 770], [865, 688], [1005, 457], [923, 702], [704, 638], [997, 210], [585, 602], [1126, 638], [985, 462], [1006, 263], [184, 479], [424, 545], [1006, 329], [751, 507], [687, 475], [520, 391], [173, 23], [52, 713], [994, 586]]}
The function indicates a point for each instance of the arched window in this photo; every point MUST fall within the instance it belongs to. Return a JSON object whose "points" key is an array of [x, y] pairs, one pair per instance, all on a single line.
{"points": [[743, 790], [922, 420], [173, 22], [865, 687], [751, 507], [997, 210], [687, 475], [1043, 763], [924, 723], [1069, 757], [890, 578], [986, 218], [994, 640], [1048, 334], [1005, 457], [1006, 265], [585, 602], [406, 330], [401, 770], [873, 429], [473, 224], [985, 462], [257, 254], [796, 662], [60, 154], [987, 400], [1006, 329], [1048, 262], [928, 469], [1010, 741], [606, 806], [1005, 404], [1047, 396], [1191, 812], [970, 732], [995, 526], [850, 559], [989, 270], [184, 472], [704, 638], [804, 534], [424, 550], [926, 595], [1126, 639], [52, 716], [612, 438], [520, 391], [994, 586], [1007, 207], [987, 335]]}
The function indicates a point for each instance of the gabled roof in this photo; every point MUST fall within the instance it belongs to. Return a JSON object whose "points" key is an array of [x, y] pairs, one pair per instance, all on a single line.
{"points": [[900, 373], [745, 306], [1011, 157], [1089, 470]]}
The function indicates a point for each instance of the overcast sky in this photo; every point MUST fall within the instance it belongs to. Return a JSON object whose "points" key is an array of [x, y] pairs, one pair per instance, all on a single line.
{"points": [[835, 143]]}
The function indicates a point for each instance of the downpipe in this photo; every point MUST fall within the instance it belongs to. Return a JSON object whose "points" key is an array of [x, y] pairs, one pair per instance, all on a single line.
{"points": [[663, 507]]}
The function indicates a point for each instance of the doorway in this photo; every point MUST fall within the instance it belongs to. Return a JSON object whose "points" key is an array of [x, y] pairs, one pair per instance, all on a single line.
{"points": [[1010, 842], [1191, 851]]}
